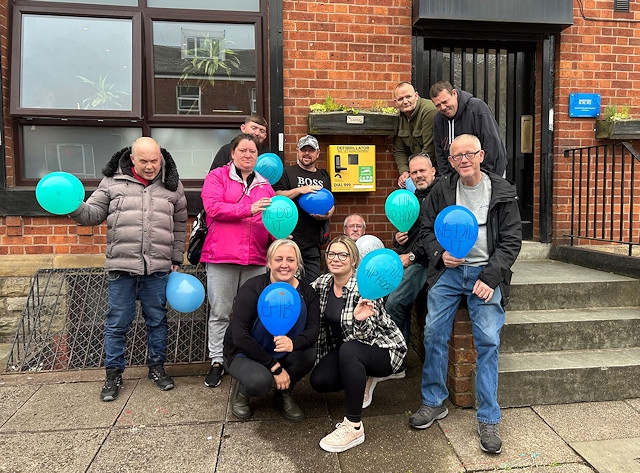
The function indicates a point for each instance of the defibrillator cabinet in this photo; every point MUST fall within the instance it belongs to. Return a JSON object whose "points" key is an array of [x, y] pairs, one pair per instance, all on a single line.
{"points": [[352, 168]]}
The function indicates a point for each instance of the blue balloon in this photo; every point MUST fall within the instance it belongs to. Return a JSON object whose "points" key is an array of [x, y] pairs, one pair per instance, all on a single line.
{"points": [[402, 209], [379, 273], [185, 293], [279, 308], [410, 186], [60, 193], [280, 217], [269, 166], [456, 230], [318, 203]]}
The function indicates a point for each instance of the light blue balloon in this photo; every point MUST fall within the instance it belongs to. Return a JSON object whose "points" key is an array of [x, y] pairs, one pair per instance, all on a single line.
{"points": [[280, 217], [410, 186], [456, 230], [60, 193], [402, 209], [185, 293], [279, 308], [269, 166], [379, 273]]}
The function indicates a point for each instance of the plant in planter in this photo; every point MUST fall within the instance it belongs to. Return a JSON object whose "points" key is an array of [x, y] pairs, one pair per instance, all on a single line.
{"points": [[332, 118], [617, 124]]}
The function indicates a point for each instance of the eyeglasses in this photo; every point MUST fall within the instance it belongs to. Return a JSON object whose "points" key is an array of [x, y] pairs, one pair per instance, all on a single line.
{"points": [[470, 155], [340, 256], [355, 226]]}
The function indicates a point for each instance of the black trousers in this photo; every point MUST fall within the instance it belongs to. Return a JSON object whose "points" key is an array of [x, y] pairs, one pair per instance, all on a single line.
{"points": [[256, 380], [347, 367]]}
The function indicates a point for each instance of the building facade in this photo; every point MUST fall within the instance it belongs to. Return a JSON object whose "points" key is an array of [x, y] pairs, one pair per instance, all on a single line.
{"points": [[80, 80]]}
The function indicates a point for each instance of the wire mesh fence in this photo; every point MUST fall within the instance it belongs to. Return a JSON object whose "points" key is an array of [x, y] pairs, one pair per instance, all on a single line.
{"points": [[62, 325]]}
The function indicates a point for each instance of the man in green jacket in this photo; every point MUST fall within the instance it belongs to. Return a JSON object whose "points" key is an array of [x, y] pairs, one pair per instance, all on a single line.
{"points": [[415, 128]]}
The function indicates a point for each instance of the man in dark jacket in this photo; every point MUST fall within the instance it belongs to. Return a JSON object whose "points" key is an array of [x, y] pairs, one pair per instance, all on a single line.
{"points": [[143, 201], [483, 276], [253, 125], [462, 113], [414, 257], [415, 128]]}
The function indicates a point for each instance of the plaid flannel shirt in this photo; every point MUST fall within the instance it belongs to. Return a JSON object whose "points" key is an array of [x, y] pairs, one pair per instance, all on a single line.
{"points": [[377, 330]]}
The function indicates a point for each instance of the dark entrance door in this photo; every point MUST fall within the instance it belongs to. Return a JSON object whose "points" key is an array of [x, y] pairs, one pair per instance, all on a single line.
{"points": [[501, 74]]}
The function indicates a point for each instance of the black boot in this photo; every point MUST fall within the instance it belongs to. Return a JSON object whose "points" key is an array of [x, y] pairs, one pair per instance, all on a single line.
{"points": [[240, 403], [285, 404], [112, 385]]}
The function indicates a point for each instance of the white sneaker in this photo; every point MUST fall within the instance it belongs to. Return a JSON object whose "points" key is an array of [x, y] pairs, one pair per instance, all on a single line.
{"points": [[368, 391], [343, 438], [399, 375]]}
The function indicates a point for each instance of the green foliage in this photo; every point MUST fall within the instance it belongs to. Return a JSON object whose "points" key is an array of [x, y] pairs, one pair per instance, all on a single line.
{"points": [[208, 58], [611, 113], [104, 97], [330, 105]]}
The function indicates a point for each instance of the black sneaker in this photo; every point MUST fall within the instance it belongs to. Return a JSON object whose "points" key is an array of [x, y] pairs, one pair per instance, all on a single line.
{"points": [[426, 416], [162, 379], [214, 377], [490, 441], [112, 385]]}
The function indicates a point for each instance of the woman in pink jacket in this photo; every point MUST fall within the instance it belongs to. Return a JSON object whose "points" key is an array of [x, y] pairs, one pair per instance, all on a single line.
{"points": [[235, 249]]}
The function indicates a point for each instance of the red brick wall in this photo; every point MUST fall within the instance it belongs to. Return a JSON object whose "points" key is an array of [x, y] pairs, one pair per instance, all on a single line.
{"points": [[356, 51], [600, 54]]}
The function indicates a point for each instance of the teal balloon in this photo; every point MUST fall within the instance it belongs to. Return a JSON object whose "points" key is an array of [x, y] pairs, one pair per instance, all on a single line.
{"points": [[456, 229], [60, 193], [402, 209], [279, 308], [280, 217], [379, 273], [269, 166], [185, 292]]}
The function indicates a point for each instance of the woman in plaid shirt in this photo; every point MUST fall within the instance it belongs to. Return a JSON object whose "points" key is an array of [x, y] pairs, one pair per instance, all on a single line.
{"points": [[357, 339]]}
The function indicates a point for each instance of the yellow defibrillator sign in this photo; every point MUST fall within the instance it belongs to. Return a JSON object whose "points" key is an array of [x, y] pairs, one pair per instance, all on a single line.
{"points": [[352, 168]]}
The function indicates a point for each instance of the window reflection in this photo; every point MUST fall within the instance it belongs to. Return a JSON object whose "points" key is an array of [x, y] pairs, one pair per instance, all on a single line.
{"points": [[86, 62], [82, 151], [203, 68], [193, 150], [237, 5]]}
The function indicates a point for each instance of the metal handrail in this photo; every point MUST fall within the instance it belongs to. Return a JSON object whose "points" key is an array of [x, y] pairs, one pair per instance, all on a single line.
{"points": [[605, 194]]}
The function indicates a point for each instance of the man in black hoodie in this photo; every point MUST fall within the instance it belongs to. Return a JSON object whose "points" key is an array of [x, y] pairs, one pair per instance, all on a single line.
{"points": [[461, 113]]}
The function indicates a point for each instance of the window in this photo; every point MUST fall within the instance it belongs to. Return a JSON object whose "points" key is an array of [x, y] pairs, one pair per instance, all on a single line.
{"points": [[204, 72]]}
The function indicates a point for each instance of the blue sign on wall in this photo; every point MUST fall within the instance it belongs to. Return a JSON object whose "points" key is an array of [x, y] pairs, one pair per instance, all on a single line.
{"points": [[584, 105]]}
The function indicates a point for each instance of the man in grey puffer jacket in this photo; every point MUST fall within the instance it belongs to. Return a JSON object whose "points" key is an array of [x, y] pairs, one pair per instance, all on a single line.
{"points": [[143, 201]]}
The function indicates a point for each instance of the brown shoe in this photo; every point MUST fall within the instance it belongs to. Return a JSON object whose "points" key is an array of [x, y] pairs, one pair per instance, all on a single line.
{"points": [[240, 403], [285, 404]]}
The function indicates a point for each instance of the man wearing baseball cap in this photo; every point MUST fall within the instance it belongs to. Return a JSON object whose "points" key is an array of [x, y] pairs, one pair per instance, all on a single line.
{"points": [[304, 178]]}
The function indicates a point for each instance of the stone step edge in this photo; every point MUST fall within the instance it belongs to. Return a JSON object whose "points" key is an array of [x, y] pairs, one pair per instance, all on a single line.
{"points": [[572, 315], [569, 360]]}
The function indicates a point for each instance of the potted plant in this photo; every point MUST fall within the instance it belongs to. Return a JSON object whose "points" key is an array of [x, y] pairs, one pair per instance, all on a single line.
{"points": [[105, 96], [332, 118], [617, 124]]}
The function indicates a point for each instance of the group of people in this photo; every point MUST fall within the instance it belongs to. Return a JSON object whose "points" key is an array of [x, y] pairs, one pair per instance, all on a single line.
{"points": [[344, 342]]}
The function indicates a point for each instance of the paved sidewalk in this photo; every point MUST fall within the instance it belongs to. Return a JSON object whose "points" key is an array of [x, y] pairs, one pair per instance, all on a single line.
{"points": [[56, 422]]}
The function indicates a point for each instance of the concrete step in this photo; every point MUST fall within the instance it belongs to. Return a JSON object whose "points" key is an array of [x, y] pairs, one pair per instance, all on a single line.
{"points": [[571, 329], [549, 285], [557, 377]]}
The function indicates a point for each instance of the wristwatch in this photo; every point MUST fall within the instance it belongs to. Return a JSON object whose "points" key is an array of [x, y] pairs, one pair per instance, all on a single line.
{"points": [[277, 371], [412, 256]]}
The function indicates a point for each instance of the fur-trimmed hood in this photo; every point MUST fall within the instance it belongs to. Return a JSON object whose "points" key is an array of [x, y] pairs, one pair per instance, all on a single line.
{"points": [[120, 163]]}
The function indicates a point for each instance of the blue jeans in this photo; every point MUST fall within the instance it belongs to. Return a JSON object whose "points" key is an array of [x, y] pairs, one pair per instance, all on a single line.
{"points": [[487, 319], [400, 301], [124, 290]]}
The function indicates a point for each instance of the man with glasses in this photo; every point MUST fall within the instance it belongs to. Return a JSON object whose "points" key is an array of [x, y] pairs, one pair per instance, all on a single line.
{"points": [[354, 226], [253, 125], [304, 178], [461, 113], [415, 128], [483, 276]]}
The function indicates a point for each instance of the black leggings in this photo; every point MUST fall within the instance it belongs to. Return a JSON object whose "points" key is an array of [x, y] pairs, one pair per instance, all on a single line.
{"points": [[347, 367], [256, 380]]}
